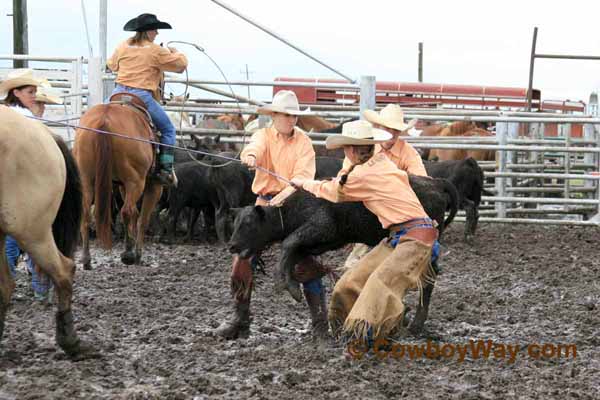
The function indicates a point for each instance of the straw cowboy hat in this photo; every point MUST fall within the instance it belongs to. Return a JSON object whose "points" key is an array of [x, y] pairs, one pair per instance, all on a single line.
{"points": [[357, 133], [17, 78], [285, 102], [45, 94], [391, 116], [145, 22]]}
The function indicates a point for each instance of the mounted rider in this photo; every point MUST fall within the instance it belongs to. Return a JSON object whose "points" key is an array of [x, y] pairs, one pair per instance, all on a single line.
{"points": [[139, 64]]}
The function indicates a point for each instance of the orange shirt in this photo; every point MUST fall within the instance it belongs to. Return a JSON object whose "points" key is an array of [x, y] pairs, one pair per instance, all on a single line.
{"points": [[292, 157], [380, 185], [142, 66], [403, 155]]}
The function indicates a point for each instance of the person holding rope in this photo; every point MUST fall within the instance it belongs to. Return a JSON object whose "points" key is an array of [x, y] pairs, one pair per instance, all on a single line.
{"points": [[285, 150], [400, 152], [139, 64], [367, 301], [23, 93]]}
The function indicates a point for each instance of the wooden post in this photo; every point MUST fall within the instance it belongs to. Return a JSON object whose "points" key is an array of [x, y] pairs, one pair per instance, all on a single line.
{"points": [[367, 94], [420, 61], [531, 64], [20, 40], [102, 32]]}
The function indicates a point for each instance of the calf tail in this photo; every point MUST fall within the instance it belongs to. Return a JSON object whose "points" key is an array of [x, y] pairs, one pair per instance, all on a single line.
{"points": [[452, 205]]}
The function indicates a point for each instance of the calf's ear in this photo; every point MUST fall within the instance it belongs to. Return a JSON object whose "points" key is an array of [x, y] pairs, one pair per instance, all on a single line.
{"points": [[260, 211]]}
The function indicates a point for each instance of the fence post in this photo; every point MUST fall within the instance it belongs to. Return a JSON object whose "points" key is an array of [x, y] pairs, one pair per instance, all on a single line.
{"points": [[500, 182], [95, 85], [367, 93], [567, 161], [76, 87]]}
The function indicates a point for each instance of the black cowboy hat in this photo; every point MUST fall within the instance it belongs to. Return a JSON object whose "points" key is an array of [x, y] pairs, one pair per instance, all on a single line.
{"points": [[145, 22]]}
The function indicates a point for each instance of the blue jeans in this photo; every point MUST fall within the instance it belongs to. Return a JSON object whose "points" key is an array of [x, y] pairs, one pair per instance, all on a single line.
{"points": [[159, 116], [40, 282]]}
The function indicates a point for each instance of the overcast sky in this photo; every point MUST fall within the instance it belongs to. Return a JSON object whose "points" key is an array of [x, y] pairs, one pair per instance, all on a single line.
{"points": [[465, 42]]}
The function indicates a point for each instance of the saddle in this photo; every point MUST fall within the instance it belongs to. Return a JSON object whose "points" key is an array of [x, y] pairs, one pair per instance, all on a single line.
{"points": [[137, 104]]}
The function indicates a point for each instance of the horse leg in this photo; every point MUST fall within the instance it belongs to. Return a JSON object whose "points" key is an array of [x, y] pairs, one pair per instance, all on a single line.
{"points": [[129, 214], [61, 269], [151, 197], [86, 219], [7, 283]]}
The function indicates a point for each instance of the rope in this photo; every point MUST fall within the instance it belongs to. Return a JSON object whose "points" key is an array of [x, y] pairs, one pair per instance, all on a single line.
{"points": [[123, 136], [185, 92]]}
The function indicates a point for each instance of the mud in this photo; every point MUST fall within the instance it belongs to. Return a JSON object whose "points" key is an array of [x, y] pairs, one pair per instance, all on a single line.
{"points": [[518, 285]]}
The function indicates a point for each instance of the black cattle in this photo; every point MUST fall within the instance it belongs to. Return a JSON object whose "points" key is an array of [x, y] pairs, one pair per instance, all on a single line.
{"points": [[307, 225], [233, 184], [193, 191], [467, 177]]}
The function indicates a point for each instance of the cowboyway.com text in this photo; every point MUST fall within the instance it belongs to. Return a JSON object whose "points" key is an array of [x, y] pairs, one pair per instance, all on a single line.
{"points": [[473, 350]]}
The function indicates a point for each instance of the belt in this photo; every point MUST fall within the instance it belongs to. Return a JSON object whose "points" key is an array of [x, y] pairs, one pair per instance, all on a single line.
{"points": [[421, 229], [413, 223], [268, 196]]}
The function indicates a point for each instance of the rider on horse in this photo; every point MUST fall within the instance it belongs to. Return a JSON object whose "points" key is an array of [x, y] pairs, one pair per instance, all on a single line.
{"points": [[139, 64]]}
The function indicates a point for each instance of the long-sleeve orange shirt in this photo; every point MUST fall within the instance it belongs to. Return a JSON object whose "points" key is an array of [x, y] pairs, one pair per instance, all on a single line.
{"points": [[142, 66], [292, 157], [380, 185], [403, 155]]}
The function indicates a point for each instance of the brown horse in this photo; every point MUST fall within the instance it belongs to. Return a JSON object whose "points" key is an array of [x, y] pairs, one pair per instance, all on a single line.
{"points": [[307, 123], [458, 128], [104, 159], [40, 206]]}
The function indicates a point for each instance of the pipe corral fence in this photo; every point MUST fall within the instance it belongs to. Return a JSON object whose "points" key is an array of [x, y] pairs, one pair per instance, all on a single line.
{"points": [[535, 179]]}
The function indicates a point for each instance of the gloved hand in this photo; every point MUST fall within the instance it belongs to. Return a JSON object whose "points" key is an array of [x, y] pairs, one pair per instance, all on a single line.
{"points": [[278, 200], [249, 161]]}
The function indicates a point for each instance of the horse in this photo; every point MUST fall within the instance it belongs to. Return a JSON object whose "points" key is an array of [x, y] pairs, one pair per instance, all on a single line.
{"points": [[41, 207], [103, 159], [458, 128]]}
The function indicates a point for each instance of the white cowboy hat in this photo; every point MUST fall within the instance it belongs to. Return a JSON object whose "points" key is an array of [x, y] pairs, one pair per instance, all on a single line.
{"points": [[285, 102], [45, 94], [391, 116], [357, 133], [17, 78]]}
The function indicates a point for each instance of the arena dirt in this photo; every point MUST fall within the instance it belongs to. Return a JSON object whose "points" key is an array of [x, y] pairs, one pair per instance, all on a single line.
{"points": [[151, 324]]}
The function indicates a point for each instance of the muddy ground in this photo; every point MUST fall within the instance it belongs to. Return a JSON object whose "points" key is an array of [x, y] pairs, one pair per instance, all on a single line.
{"points": [[518, 285]]}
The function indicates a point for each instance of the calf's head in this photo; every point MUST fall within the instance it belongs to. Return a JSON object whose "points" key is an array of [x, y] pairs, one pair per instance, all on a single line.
{"points": [[251, 231]]}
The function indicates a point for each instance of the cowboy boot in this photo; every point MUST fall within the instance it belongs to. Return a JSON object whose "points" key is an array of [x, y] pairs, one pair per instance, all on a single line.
{"points": [[238, 325], [241, 288], [317, 306], [165, 173]]}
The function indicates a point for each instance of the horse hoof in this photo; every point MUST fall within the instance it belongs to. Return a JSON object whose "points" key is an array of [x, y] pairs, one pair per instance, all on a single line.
{"points": [[83, 351], [128, 258]]}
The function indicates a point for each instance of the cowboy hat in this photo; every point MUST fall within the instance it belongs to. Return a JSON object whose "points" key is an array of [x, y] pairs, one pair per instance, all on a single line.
{"points": [[145, 22], [45, 93], [391, 116], [357, 133], [17, 78], [285, 102]]}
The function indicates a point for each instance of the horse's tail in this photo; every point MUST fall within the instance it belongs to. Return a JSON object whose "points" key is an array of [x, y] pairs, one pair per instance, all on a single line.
{"points": [[65, 227], [452, 206], [103, 184]]}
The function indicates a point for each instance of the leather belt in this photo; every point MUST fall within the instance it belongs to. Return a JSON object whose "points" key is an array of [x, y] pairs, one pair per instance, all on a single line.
{"points": [[421, 229]]}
